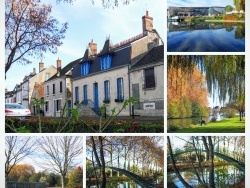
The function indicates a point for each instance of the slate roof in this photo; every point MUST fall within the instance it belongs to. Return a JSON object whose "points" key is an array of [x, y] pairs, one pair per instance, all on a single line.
{"points": [[120, 58], [155, 55], [66, 69], [106, 48]]}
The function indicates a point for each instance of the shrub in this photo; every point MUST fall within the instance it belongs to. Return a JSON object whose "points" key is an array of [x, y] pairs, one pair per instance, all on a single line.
{"points": [[50, 125], [213, 120], [173, 128]]}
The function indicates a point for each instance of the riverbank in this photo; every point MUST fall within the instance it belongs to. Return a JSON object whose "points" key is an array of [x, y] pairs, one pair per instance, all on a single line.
{"points": [[231, 21], [186, 166], [230, 125]]}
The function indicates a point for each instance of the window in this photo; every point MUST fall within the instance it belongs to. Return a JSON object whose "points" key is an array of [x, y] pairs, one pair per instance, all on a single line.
{"points": [[149, 78], [85, 68], [76, 95], [61, 87], [47, 76], [85, 93], [57, 105], [46, 106], [120, 93], [47, 90], [106, 91], [54, 89], [106, 61]]}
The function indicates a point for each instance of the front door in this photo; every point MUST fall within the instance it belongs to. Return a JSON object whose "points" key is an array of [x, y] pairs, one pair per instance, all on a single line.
{"points": [[96, 100]]}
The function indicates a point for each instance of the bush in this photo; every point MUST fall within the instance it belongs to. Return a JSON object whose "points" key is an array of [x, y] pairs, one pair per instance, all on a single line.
{"points": [[213, 120], [230, 113], [51, 125], [173, 128]]}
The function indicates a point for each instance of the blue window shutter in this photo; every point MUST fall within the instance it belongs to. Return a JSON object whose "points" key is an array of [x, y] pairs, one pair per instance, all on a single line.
{"points": [[85, 96], [120, 89], [85, 68], [106, 90], [106, 61], [76, 94]]}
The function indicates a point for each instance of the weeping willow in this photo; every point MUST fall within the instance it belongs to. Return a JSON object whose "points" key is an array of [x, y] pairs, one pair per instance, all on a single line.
{"points": [[225, 74]]}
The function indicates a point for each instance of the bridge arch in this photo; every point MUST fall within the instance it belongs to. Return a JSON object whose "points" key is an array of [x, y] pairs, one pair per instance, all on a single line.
{"points": [[231, 160], [136, 178]]}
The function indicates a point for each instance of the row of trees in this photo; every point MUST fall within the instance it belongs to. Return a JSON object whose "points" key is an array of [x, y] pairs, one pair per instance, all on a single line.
{"points": [[140, 155], [185, 108], [26, 173], [239, 5], [187, 93], [53, 154], [210, 145]]}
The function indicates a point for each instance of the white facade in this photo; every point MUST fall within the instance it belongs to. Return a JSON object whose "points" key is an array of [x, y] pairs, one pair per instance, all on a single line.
{"points": [[58, 97], [98, 79], [151, 99], [25, 93]]}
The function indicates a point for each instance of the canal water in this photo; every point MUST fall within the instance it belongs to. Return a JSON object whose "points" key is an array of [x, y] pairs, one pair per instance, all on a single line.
{"points": [[123, 184], [205, 37], [120, 184], [187, 122], [224, 177]]}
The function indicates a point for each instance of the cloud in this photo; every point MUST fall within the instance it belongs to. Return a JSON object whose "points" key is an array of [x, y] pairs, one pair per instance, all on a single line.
{"points": [[194, 3]]}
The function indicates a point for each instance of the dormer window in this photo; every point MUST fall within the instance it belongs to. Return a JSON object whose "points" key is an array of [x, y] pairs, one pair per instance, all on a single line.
{"points": [[106, 61], [85, 68]]}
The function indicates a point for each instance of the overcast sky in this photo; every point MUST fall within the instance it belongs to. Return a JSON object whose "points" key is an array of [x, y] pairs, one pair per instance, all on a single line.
{"points": [[199, 3], [86, 22]]}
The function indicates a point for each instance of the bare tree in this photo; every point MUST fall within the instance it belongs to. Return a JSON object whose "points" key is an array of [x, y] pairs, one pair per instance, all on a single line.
{"points": [[16, 149], [60, 153], [30, 30], [105, 3], [99, 160]]}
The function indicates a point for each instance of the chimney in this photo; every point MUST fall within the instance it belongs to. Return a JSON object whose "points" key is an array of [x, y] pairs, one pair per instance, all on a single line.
{"points": [[41, 66], [147, 23], [58, 65], [93, 48], [34, 70]]}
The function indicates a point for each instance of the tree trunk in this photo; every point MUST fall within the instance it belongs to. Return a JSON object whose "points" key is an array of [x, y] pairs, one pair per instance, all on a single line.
{"points": [[63, 181], [211, 163], [103, 184], [95, 152], [206, 147], [6, 180], [174, 166]]}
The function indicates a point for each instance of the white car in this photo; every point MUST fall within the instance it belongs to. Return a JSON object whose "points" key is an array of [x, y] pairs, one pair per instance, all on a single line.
{"points": [[16, 110]]}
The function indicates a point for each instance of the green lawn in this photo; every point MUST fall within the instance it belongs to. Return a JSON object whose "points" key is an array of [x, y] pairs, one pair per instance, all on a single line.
{"points": [[232, 125]]}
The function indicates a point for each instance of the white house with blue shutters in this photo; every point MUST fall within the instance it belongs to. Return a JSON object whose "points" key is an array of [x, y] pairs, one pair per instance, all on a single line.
{"points": [[104, 77], [101, 79]]}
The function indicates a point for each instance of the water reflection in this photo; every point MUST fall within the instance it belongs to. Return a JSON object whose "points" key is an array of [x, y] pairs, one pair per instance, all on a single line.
{"points": [[224, 177], [119, 184], [187, 122], [206, 36]]}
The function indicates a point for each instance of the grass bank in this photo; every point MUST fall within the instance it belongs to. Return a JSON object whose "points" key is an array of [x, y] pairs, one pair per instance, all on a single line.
{"points": [[221, 21], [230, 125]]}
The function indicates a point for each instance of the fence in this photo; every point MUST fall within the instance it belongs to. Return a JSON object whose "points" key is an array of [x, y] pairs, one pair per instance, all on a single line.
{"points": [[11, 184]]}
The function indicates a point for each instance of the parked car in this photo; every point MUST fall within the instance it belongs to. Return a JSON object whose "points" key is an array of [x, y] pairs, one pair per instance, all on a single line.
{"points": [[16, 110]]}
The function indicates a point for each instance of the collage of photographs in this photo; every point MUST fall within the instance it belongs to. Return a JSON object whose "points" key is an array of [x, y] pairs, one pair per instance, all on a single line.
{"points": [[124, 94]]}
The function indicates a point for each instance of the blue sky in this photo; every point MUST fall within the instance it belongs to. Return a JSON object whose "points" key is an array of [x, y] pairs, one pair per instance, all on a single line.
{"points": [[197, 3], [86, 22]]}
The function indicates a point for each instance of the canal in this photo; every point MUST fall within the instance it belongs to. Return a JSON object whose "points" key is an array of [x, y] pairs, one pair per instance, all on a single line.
{"points": [[225, 176], [205, 37], [187, 122]]}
